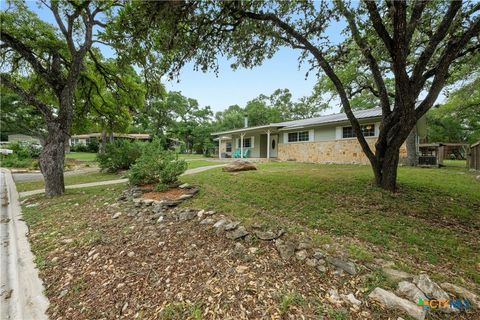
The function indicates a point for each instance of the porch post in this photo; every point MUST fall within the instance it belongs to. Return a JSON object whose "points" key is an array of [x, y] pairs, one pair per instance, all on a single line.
{"points": [[219, 146], [268, 144], [241, 144]]}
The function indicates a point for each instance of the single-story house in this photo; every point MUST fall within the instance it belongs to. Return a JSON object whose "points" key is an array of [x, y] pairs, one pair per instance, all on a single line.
{"points": [[325, 139], [83, 138], [23, 138]]}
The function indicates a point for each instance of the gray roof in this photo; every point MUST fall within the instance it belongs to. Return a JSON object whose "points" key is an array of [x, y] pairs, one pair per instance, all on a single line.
{"points": [[337, 117], [332, 118]]}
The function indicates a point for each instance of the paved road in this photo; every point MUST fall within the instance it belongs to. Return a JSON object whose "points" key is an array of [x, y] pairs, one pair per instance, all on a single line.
{"points": [[21, 290], [108, 182], [35, 176]]}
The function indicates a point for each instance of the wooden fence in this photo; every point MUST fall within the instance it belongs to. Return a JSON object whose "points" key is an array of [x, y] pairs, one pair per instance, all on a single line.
{"points": [[474, 158]]}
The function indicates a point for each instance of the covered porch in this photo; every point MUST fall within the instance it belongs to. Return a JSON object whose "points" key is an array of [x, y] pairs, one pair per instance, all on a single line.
{"points": [[253, 143]]}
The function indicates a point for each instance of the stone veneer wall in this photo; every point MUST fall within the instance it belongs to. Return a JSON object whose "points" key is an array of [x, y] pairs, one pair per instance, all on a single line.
{"points": [[344, 151]]}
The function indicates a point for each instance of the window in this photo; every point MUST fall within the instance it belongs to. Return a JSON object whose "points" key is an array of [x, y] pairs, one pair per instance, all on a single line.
{"points": [[229, 147], [367, 129], [298, 136], [247, 142]]}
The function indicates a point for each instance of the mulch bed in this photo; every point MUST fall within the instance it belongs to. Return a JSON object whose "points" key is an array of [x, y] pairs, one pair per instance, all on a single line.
{"points": [[170, 194], [141, 269]]}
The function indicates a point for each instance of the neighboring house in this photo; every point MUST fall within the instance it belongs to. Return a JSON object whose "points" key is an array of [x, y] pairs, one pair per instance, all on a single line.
{"points": [[22, 138], [83, 138], [326, 139]]}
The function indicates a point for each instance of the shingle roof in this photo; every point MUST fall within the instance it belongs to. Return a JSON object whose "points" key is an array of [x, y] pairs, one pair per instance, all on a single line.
{"points": [[337, 117]]}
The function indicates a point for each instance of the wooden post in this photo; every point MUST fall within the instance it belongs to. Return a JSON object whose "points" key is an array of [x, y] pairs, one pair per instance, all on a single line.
{"points": [[268, 144]]}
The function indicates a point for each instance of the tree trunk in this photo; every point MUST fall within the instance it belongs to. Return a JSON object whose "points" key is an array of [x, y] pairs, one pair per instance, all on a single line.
{"points": [[104, 141], [385, 169], [52, 160], [411, 142]]}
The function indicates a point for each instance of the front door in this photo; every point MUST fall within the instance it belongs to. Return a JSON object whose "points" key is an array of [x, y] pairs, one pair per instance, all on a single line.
{"points": [[273, 145]]}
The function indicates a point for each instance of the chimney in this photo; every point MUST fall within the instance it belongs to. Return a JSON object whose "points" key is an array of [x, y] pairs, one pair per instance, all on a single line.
{"points": [[246, 121]]}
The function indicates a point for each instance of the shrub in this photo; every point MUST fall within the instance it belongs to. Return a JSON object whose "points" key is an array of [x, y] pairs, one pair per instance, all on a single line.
{"points": [[119, 155], [156, 166], [79, 147], [25, 150], [13, 161], [93, 145]]}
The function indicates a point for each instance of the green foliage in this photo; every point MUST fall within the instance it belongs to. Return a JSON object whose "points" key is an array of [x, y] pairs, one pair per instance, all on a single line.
{"points": [[156, 166], [119, 155], [24, 155], [458, 119], [93, 145]]}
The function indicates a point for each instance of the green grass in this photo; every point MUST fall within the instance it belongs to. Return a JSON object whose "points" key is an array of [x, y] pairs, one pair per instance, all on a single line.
{"points": [[433, 219], [455, 163], [190, 156], [81, 156], [69, 180], [202, 163]]}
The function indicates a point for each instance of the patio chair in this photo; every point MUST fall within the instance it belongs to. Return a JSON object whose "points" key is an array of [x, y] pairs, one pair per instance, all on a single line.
{"points": [[236, 153], [246, 153]]}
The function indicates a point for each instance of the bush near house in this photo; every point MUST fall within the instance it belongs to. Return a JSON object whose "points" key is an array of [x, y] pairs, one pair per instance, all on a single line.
{"points": [[24, 155], [156, 166], [119, 155]]}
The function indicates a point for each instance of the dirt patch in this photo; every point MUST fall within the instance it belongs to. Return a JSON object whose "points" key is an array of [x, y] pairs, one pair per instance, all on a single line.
{"points": [[170, 194]]}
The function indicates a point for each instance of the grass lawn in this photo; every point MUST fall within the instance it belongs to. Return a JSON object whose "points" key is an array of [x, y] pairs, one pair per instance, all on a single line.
{"points": [[202, 163], [81, 156], [190, 156], [432, 223], [69, 180], [455, 163]]}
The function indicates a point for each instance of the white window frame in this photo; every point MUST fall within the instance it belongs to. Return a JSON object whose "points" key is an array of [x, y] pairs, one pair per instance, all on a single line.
{"points": [[339, 131], [252, 142], [311, 136]]}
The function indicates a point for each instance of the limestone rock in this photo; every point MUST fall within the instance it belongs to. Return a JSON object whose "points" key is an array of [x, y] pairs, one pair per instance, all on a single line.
{"points": [[239, 165], [116, 215], [230, 226], [186, 215], [301, 255], [207, 221], [346, 266], [396, 275], [268, 235], [391, 301], [462, 292], [334, 297], [318, 254], [285, 249], [410, 291], [220, 223], [321, 268], [237, 233], [350, 298], [311, 262], [430, 288]]}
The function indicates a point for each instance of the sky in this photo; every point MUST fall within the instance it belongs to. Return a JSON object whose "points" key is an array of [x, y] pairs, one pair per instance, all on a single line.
{"points": [[229, 87]]}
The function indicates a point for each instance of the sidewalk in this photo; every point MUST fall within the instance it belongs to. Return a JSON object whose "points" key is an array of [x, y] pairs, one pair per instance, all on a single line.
{"points": [[109, 182]]}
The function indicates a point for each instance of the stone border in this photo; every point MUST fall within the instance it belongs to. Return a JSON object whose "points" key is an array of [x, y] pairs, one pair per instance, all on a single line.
{"points": [[410, 288], [135, 194]]}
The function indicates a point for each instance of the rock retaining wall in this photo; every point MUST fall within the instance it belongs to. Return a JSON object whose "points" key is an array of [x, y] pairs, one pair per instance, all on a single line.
{"points": [[344, 151]]}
